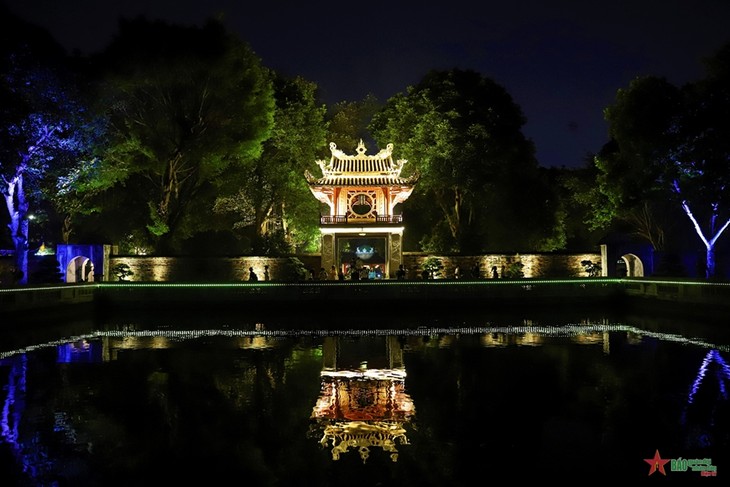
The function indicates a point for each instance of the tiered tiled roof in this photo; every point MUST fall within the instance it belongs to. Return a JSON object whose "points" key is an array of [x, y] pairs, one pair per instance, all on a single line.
{"points": [[361, 169]]}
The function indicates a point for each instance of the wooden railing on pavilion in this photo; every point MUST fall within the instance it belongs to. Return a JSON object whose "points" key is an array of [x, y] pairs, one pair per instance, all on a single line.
{"points": [[343, 220]]}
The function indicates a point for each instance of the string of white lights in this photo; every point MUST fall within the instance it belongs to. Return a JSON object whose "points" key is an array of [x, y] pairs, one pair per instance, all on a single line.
{"points": [[547, 330]]}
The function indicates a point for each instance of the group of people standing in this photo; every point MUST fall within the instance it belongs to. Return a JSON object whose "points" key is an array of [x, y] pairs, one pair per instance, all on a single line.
{"points": [[356, 274], [324, 275], [476, 273]]}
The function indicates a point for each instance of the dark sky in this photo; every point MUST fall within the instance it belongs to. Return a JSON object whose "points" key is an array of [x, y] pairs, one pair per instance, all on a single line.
{"points": [[562, 61]]}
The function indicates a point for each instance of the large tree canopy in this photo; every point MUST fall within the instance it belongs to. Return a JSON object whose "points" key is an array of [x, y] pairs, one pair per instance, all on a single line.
{"points": [[185, 106], [629, 190], [463, 133], [275, 202], [670, 144]]}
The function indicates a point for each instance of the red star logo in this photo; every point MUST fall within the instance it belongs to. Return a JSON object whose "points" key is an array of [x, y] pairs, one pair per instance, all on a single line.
{"points": [[657, 463]]}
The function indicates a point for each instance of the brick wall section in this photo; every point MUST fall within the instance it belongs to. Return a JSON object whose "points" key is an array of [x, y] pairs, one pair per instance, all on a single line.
{"points": [[210, 269], [534, 265], [233, 269]]}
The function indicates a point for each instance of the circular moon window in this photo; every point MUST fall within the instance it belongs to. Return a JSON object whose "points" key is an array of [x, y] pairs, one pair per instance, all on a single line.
{"points": [[361, 204]]}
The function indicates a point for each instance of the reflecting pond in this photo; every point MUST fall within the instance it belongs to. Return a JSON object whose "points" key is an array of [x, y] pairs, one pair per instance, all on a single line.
{"points": [[462, 401]]}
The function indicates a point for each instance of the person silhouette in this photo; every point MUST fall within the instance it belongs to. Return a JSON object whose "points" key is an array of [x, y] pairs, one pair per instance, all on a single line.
{"points": [[252, 275]]}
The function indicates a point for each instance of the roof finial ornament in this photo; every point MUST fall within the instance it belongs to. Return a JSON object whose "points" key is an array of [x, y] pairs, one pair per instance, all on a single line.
{"points": [[361, 147]]}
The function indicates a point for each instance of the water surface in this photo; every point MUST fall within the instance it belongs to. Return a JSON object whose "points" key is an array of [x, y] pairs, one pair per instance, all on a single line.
{"points": [[134, 402]]}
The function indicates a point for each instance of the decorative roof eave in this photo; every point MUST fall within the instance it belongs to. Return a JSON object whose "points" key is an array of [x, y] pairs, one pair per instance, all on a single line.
{"points": [[349, 181], [394, 183], [402, 195], [322, 193], [311, 179]]}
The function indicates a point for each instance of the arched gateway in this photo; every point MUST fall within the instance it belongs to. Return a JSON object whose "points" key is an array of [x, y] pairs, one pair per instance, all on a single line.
{"points": [[361, 192], [83, 263]]}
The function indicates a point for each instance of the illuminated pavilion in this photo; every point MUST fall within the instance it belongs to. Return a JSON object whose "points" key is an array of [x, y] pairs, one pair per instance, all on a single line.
{"points": [[361, 192]]}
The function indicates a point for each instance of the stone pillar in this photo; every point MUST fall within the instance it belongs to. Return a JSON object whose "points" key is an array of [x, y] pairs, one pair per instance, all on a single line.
{"points": [[395, 253], [328, 251], [103, 272], [604, 260]]}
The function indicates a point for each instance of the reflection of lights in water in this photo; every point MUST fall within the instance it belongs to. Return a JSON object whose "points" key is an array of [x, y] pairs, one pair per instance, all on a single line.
{"points": [[382, 374], [259, 342], [494, 340], [703, 417], [531, 339], [11, 412], [723, 374], [30, 453], [589, 338], [552, 331]]}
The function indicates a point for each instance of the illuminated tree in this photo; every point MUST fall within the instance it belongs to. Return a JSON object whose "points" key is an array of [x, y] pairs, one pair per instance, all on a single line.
{"points": [[576, 191], [671, 144], [462, 133], [275, 199], [186, 106], [72, 194], [629, 167], [41, 125]]}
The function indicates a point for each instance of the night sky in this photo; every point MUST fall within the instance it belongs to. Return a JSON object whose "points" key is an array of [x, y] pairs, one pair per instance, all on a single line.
{"points": [[562, 61]]}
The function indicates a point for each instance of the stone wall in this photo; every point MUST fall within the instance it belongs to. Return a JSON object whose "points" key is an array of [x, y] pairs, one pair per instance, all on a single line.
{"points": [[542, 265], [211, 269], [233, 269]]}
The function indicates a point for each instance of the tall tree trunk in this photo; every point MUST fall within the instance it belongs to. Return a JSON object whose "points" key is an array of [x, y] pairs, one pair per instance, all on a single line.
{"points": [[709, 242], [66, 228], [17, 206], [710, 263]]}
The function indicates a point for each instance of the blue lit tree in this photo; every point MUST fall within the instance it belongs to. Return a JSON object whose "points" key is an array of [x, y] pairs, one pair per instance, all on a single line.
{"points": [[38, 129], [671, 144]]}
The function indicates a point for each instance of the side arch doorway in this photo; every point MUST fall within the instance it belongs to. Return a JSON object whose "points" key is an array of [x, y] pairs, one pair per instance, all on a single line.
{"points": [[83, 263], [80, 269], [629, 265]]}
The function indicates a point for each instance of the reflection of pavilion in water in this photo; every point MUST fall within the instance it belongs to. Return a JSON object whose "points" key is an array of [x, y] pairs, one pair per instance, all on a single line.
{"points": [[360, 406], [362, 403]]}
